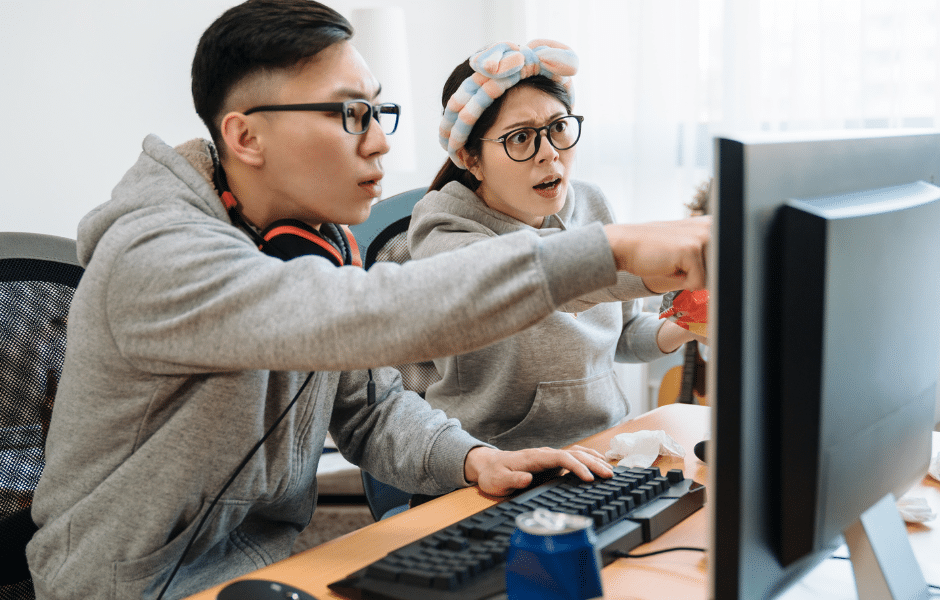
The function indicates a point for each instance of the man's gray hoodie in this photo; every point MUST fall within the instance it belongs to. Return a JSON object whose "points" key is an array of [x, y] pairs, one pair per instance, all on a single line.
{"points": [[185, 343]]}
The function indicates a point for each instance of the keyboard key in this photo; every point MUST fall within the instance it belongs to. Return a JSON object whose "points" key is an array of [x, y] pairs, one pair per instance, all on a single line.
{"points": [[420, 578], [383, 571]]}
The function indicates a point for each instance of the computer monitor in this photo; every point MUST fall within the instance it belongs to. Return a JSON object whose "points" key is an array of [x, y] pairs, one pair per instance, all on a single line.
{"points": [[825, 353]]}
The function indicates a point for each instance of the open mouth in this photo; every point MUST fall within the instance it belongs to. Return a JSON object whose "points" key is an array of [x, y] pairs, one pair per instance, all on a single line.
{"points": [[548, 185]]}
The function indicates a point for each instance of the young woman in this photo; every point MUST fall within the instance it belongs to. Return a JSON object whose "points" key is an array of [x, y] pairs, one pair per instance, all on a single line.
{"points": [[511, 136]]}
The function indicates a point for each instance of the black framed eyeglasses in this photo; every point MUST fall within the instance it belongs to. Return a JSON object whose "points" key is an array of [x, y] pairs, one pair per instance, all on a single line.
{"points": [[357, 114], [523, 143]]}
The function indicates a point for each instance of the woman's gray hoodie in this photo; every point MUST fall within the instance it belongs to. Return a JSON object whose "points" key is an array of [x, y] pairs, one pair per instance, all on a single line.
{"points": [[552, 384], [184, 345]]}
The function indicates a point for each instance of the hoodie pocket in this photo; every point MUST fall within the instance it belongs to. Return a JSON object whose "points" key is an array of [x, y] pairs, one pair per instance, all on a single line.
{"points": [[565, 412], [145, 576]]}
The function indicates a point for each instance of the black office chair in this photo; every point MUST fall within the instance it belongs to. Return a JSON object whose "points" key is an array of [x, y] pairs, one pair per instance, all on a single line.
{"points": [[383, 237], [38, 276]]}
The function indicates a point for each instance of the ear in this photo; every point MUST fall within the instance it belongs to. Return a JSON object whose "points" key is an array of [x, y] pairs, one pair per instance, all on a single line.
{"points": [[241, 138], [471, 162]]}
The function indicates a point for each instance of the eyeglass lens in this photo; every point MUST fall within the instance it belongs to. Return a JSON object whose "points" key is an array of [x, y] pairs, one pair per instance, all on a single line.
{"points": [[523, 144], [357, 115]]}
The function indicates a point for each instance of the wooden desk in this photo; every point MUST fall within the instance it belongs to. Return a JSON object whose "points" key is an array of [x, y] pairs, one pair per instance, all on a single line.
{"points": [[834, 579], [678, 575]]}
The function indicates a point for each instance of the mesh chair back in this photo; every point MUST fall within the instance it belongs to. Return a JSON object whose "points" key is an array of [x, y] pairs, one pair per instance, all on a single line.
{"points": [[383, 237], [38, 275], [393, 247]]}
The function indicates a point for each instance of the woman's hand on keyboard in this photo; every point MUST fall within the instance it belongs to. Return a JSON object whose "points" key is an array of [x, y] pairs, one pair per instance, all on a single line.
{"points": [[499, 472]]}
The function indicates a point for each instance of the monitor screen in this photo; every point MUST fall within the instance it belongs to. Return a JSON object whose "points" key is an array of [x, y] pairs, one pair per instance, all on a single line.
{"points": [[825, 349]]}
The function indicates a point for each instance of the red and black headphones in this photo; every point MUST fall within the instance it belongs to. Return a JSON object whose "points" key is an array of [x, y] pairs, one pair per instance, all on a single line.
{"points": [[290, 238]]}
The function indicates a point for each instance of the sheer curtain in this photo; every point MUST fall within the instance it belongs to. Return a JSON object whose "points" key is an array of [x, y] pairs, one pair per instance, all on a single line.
{"points": [[659, 79]]}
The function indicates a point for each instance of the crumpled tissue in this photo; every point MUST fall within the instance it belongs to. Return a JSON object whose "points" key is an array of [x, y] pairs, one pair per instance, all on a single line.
{"points": [[641, 448], [914, 509]]}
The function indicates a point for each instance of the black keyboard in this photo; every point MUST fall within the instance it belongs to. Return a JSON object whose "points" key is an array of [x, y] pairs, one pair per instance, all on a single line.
{"points": [[466, 560]]}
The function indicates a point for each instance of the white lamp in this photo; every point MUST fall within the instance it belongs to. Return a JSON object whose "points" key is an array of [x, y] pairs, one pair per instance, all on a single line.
{"points": [[380, 37]]}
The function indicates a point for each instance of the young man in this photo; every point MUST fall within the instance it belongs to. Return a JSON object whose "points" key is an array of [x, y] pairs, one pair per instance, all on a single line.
{"points": [[186, 343]]}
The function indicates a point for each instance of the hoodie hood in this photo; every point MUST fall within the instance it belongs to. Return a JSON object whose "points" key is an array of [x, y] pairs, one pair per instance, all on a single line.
{"points": [[463, 203], [456, 208], [161, 177]]}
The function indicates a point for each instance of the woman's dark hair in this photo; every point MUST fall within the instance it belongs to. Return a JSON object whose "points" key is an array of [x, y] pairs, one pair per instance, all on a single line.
{"points": [[451, 172], [255, 36]]}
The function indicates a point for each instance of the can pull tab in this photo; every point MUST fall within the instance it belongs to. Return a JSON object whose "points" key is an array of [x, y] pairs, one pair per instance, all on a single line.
{"points": [[542, 521], [551, 521]]}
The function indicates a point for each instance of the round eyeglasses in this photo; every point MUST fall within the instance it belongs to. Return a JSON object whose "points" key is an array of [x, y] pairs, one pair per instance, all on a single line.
{"points": [[357, 114], [523, 143]]}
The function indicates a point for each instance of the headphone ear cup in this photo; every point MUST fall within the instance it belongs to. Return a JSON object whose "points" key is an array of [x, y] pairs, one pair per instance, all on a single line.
{"points": [[342, 238], [290, 238]]}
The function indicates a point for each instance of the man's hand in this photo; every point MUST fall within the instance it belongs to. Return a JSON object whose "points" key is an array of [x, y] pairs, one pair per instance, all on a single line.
{"points": [[499, 473], [668, 255]]}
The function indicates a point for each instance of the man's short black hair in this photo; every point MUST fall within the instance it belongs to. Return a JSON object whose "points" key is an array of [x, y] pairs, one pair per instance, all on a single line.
{"points": [[256, 36]]}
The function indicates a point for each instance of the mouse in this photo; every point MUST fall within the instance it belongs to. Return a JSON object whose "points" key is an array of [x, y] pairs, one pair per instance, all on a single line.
{"points": [[259, 589], [700, 450]]}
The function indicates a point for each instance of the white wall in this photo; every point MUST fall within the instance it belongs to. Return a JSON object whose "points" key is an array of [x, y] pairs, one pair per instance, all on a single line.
{"points": [[83, 82]]}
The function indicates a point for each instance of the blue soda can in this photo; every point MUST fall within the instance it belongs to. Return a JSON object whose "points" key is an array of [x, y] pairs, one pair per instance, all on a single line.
{"points": [[553, 556]]}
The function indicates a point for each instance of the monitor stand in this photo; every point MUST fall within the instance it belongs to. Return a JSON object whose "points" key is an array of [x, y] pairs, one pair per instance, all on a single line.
{"points": [[882, 558]]}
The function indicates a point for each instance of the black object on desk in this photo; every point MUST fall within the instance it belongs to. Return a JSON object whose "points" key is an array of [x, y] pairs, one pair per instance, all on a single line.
{"points": [[466, 561], [701, 450], [258, 589]]}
